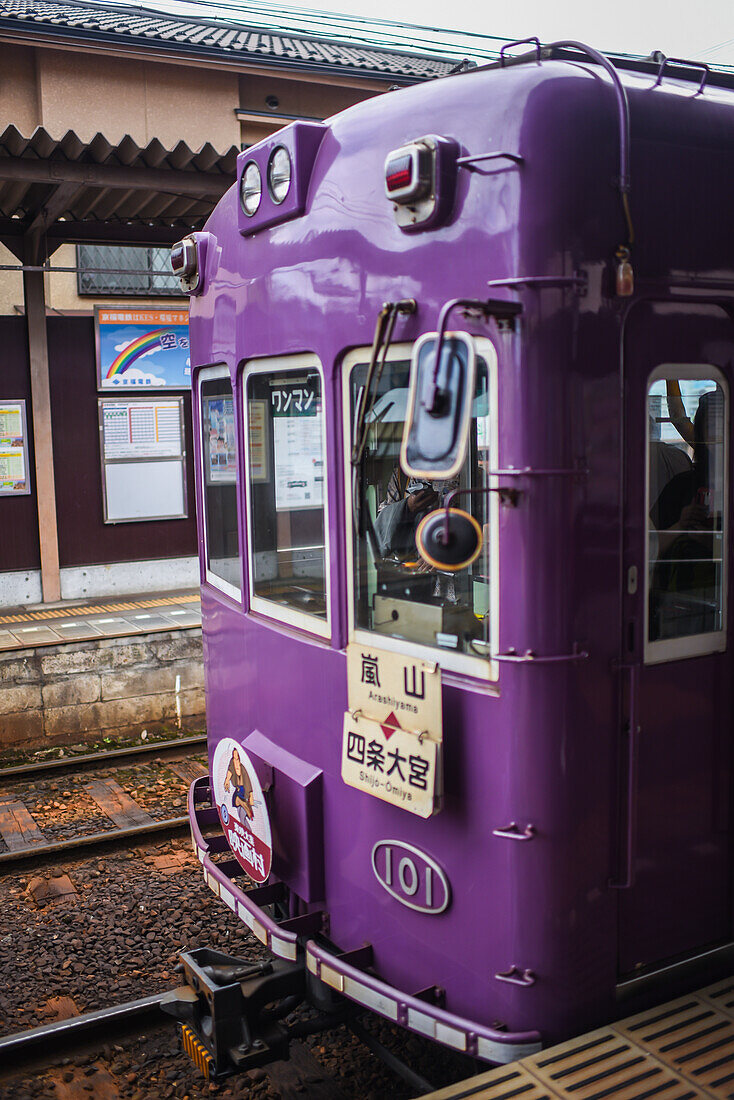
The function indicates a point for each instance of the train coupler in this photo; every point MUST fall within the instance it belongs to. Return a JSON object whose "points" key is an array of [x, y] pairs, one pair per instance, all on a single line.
{"points": [[230, 1009]]}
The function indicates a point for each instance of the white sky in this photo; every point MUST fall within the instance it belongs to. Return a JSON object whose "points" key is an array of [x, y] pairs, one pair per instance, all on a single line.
{"points": [[696, 29]]}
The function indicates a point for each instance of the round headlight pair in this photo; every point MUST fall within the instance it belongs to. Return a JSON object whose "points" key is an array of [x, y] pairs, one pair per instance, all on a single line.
{"points": [[279, 181]]}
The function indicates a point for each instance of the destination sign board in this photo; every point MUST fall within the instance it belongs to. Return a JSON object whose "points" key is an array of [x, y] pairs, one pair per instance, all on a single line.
{"points": [[394, 689], [393, 764]]}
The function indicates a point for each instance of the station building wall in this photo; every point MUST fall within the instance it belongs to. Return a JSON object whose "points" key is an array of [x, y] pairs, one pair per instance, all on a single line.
{"points": [[93, 92], [153, 98], [84, 538]]}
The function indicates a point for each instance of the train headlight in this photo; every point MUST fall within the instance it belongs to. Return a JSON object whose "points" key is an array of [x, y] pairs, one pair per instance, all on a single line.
{"points": [[279, 174], [251, 189]]}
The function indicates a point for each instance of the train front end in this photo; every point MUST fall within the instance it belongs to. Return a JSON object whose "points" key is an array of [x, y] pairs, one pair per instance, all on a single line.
{"points": [[390, 801]]}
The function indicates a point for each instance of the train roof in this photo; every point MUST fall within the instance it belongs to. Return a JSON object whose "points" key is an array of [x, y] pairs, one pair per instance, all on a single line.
{"points": [[686, 70], [567, 183]]}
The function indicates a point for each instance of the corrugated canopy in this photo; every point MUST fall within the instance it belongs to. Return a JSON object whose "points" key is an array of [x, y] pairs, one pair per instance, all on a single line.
{"points": [[69, 189]]}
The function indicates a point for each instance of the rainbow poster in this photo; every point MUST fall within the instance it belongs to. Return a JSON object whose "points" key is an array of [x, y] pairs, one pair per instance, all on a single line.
{"points": [[142, 349]]}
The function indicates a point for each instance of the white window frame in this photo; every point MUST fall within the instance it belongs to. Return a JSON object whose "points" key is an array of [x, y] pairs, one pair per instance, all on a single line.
{"points": [[689, 645], [287, 364], [206, 374], [479, 667]]}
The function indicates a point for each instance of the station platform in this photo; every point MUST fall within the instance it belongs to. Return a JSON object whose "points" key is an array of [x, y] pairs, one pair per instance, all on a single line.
{"points": [[77, 621], [678, 1051]]}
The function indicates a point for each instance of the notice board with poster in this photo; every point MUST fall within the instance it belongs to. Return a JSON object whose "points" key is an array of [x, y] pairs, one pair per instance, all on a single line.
{"points": [[143, 458], [142, 348], [14, 475], [221, 453], [297, 445]]}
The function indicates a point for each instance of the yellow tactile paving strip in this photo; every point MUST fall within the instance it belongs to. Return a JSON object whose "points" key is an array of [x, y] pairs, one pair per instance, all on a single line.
{"points": [[97, 609], [79, 622], [681, 1050]]}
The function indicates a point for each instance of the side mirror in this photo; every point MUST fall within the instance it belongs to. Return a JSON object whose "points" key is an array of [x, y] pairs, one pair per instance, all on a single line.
{"points": [[449, 539], [436, 432]]}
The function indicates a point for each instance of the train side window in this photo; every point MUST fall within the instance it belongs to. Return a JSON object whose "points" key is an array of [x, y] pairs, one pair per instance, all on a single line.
{"points": [[686, 509], [398, 601], [219, 475], [286, 489]]}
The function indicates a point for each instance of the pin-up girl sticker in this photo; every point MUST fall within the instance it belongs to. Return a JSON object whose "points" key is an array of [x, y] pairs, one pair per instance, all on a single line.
{"points": [[242, 810]]}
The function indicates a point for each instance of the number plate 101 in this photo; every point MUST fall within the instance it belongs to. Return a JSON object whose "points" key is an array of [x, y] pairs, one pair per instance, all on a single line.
{"points": [[411, 876]]}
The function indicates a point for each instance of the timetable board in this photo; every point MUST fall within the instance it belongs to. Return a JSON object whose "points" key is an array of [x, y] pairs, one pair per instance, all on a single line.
{"points": [[143, 459], [14, 474]]}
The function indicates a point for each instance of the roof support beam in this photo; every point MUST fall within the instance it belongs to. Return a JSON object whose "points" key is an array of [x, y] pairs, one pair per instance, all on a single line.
{"points": [[11, 233], [35, 311], [54, 205], [165, 180]]}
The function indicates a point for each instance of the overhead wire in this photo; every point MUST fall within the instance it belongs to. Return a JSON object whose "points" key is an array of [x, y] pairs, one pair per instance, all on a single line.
{"points": [[365, 31]]}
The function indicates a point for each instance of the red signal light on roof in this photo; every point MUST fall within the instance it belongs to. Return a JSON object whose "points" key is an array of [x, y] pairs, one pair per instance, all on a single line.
{"points": [[409, 172], [398, 173], [420, 180]]}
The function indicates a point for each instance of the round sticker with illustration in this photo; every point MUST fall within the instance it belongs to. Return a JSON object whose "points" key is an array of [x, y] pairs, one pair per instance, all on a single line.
{"points": [[242, 810]]}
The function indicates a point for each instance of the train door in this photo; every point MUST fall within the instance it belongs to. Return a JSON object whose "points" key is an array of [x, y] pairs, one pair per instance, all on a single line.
{"points": [[674, 900]]}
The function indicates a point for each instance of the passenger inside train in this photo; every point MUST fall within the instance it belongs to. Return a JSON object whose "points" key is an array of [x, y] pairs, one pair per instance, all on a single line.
{"points": [[686, 506], [396, 592]]}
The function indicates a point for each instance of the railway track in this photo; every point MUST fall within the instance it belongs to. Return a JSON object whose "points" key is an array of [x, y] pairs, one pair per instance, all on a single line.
{"points": [[41, 1046], [69, 765], [110, 927], [24, 838]]}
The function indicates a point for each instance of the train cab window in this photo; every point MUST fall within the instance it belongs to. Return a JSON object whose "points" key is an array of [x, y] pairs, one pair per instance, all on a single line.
{"points": [[286, 479], [219, 490], [687, 491], [397, 595]]}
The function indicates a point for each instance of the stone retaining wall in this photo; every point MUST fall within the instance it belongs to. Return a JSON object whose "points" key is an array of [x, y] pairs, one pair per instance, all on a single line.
{"points": [[100, 688]]}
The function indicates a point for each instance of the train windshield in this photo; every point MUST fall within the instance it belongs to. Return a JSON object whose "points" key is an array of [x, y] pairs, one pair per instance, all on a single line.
{"points": [[396, 593]]}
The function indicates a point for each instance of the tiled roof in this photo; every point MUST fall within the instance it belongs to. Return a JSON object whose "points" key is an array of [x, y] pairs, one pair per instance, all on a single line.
{"points": [[161, 31]]}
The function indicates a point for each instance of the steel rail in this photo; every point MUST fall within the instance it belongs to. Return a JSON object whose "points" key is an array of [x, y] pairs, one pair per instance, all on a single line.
{"points": [[111, 1021], [66, 764], [42, 1045], [80, 844]]}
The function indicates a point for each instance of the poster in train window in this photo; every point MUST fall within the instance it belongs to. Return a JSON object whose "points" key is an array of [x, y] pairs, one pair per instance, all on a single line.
{"points": [[222, 451], [295, 408], [143, 459], [14, 474], [142, 349], [258, 437]]}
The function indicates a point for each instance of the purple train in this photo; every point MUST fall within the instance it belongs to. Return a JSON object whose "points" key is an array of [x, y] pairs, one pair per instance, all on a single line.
{"points": [[462, 363]]}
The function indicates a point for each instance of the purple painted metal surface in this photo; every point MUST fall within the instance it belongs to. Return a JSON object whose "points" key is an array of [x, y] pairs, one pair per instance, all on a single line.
{"points": [[295, 807], [542, 749], [411, 1012]]}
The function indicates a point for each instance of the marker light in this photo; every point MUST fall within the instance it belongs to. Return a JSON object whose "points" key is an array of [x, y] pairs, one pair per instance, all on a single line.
{"points": [[279, 174], [409, 172], [183, 257], [398, 173], [187, 263], [251, 191], [420, 182]]}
